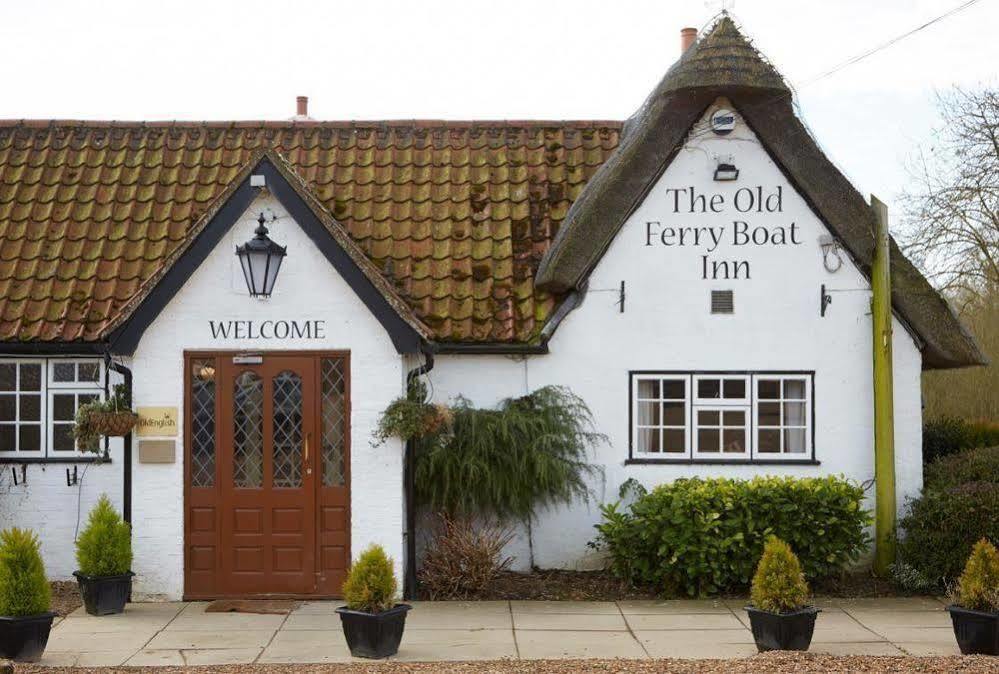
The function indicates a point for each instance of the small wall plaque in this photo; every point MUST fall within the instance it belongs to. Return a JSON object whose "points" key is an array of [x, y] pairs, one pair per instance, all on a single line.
{"points": [[157, 451], [157, 422]]}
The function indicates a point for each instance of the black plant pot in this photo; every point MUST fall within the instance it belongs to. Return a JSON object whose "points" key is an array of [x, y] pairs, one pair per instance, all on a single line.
{"points": [[977, 632], [782, 631], [23, 638], [374, 635], [105, 595]]}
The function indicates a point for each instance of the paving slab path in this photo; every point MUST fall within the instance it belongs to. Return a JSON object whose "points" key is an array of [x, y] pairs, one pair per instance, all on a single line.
{"points": [[182, 633]]}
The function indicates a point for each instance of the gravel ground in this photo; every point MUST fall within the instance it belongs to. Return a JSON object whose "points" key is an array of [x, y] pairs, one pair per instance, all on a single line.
{"points": [[65, 596], [779, 663]]}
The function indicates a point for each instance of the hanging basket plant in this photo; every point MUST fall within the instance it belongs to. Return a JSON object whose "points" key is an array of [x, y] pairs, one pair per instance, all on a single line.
{"points": [[412, 417], [111, 418]]}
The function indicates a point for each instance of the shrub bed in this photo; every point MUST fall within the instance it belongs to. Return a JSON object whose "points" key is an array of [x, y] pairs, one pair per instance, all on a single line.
{"points": [[940, 529], [972, 465], [704, 536], [948, 435]]}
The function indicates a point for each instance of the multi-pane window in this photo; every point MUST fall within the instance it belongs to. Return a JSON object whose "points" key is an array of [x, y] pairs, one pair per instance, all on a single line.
{"points": [[721, 416], [38, 404]]}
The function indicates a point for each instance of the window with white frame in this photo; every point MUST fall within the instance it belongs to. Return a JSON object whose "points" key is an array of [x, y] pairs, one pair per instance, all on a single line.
{"points": [[704, 416], [38, 403]]}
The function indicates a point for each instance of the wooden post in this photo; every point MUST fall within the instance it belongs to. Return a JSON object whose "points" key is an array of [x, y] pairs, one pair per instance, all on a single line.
{"points": [[884, 413]]}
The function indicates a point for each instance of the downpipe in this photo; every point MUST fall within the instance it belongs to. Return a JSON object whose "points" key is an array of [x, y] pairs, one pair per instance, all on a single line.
{"points": [[409, 482]]}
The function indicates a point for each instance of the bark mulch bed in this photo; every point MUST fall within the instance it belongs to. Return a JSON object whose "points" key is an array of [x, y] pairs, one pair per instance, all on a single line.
{"points": [[65, 596], [557, 585], [780, 663]]}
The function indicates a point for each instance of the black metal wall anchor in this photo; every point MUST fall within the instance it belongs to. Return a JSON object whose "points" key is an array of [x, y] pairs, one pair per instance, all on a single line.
{"points": [[24, 474], [825, 299], [72, 480]]}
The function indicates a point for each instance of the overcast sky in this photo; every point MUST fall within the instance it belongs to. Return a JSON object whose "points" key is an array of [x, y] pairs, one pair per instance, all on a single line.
{"points": [[468, 59]]}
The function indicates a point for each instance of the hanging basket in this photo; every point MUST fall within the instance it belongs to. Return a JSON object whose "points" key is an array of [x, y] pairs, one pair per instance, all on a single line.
{"points": [[114, 424]]}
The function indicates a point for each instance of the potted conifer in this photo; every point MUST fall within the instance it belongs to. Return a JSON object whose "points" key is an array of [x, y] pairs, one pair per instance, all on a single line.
{"points": [[372, 622], [780, 616], [104, 553], [975, 611], [25, 619]]}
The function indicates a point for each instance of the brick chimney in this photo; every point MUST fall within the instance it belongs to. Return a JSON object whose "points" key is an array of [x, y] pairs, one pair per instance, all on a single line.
{"points": [[687, 38], [302, 104]]}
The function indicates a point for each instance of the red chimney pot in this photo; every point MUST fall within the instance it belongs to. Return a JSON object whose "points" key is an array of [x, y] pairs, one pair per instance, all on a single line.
{"points": [[687, 38], [302, 106]]}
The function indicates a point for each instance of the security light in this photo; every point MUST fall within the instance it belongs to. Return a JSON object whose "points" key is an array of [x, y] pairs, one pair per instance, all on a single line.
{"points": [[726, 172]]}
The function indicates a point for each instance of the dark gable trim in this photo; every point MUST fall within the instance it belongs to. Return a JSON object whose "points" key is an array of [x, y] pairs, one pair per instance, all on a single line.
{"points": [[125, 339]]}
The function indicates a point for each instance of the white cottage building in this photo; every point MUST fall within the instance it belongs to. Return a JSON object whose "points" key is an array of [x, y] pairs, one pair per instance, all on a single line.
{"points": [[699, 275]]}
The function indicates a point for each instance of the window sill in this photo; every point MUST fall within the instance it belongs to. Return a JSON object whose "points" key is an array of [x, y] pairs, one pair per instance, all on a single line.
{"points": [[724, 462], [14, 460]]}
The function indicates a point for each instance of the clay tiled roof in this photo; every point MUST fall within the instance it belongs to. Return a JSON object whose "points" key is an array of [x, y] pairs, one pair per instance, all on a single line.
{"points": [[455, 215]]}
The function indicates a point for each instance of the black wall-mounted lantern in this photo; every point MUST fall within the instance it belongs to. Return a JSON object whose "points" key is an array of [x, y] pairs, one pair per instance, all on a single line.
{"points": [[261, 260]]}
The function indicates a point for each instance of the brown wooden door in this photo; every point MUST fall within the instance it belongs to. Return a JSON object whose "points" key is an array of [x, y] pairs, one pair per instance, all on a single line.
{"points": [[268, 514]]}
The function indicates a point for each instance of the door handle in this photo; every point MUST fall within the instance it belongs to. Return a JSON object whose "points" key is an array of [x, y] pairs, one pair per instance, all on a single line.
{"points": [[308, 468]]}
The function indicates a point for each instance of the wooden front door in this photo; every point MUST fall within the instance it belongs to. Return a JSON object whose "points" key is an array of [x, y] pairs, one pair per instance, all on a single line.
{"points": [[267, 474]]}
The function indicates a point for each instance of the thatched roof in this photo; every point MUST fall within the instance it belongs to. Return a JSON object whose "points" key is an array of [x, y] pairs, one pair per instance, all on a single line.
{"points": [[724, 63]]}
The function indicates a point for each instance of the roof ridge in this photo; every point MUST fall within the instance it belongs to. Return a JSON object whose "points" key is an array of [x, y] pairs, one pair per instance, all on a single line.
{"points": [[346, 124]]}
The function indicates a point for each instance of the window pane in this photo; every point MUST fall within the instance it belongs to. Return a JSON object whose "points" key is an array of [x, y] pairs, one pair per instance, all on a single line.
{"points": [[63, 406], [769, 442], [7, 438], [735, 389], [675, 441], [334, 417], [735, 441], [648, 388], [673, 414], [734, 417], [648, 414], [30, 437], [768, 389], [64, 372], [648, 439], [708, 388], [708, 439], [768, 414], [202, 423], [794, 414], [674, 389], [794, 440], [248, 430], [62, 438], [31, 377], [7, 409], [8, 376], [287, 436], [31, 407], [90, 372], [707, 417], [794, 389]]}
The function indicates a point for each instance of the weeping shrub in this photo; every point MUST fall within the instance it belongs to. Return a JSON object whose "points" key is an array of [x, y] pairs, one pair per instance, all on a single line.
{"points": [[527, 453], [23, 588]]}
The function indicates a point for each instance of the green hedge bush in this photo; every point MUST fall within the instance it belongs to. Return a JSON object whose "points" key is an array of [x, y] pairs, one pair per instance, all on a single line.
{"points": [[941, 527], [944, 436], [704, 536], [23, 587], [970, 465], [104, 547]]}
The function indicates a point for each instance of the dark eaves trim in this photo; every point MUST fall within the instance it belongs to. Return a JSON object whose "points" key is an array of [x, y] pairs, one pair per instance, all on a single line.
{"points": [[53, 348], [482, 348]]}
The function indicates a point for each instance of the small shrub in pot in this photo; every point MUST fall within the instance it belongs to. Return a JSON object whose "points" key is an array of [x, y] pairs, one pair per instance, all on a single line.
{"points": [[780, 616], [25, 619], [372, 622], [975, 611], [104, 555]]}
